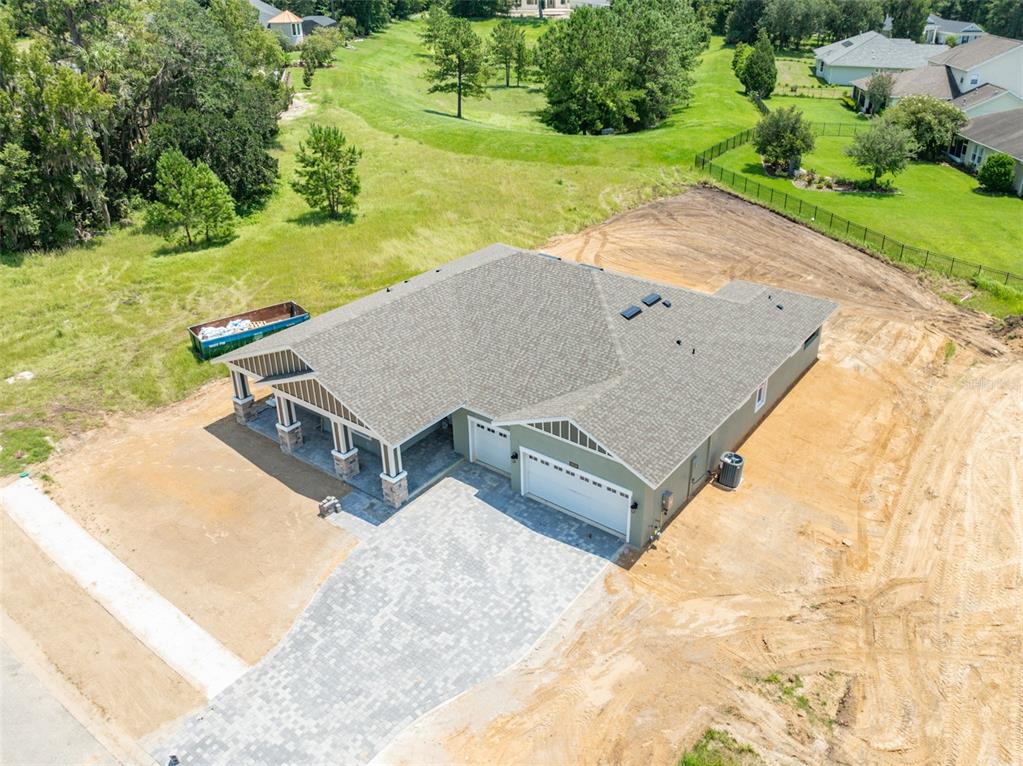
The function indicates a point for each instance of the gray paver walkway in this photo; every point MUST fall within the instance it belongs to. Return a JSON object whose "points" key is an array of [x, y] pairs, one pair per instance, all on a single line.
{"points": [[451, 590]]}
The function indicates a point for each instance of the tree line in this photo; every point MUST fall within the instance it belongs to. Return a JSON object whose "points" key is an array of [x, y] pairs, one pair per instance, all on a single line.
{"points": [[608, 69], [90, 104], [789, 22]]}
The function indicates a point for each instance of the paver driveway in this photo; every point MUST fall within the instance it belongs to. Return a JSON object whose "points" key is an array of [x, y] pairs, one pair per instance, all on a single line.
{"points": [[452, 589]]}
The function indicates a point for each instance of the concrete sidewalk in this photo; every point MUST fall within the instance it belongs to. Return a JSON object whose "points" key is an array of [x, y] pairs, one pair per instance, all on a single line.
{"points": [[156, 622]]}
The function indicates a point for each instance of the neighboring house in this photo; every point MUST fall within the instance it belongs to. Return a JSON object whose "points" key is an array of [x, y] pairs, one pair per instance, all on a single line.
{"points": [[551, 8], [290, 27], [532, 366], [989, 59], [987, 77], [939, 30], [989, 134], [940, 83], [842, 62]]}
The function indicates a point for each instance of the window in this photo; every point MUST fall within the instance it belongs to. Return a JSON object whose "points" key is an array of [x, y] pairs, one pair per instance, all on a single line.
{"points": [[761, 398], [977, 157], [294, 30]]}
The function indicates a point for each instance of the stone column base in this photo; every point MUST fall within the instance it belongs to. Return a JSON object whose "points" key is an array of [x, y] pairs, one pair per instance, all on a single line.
{"points": [[290, 437], [346, 464], [395, 488], [243, 409]]}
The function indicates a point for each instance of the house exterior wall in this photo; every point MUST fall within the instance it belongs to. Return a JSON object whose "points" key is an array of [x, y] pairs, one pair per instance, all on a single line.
{"points": [[290, 33], [1000, 103], [647, 517], [1005, 71], [844, 75], [728, 437]]}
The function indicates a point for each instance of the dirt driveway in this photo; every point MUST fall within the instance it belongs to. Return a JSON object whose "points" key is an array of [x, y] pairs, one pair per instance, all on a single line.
{"points": [[857, 601]]}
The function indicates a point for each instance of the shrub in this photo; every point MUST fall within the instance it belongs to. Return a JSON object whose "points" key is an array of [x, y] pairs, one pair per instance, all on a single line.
{"points": [[996, 288], [782, 137], [995, 175], [933, 123]]}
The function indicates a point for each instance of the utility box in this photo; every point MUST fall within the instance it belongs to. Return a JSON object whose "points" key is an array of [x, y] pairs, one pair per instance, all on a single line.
{"points": [[667, 500]]}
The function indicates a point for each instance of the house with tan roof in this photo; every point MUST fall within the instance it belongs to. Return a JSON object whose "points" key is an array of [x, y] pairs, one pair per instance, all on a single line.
{"points": [[291, 28], [983, 77]]}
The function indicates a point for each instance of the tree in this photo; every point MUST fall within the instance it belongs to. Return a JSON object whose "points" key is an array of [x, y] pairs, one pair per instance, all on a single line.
{"points": [[437, 22], [883, 148], [740, 57], [744, 21], [523, 62], [622, 67], [995, 175], [189, 198], [478, 9], [326, 177], [714, 14], [909, 18], [760, 74], [1005, 18], [788, 21], [370, 15], [782, 137], [933, 123], [308, 69], [506, 40], [879, 90], [319, 47], [845, 18], [459, 63], [19, 223], [950, 41]]}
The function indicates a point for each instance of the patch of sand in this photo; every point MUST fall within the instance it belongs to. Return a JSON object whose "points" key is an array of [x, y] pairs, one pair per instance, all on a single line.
{"points": [[857, 601]]}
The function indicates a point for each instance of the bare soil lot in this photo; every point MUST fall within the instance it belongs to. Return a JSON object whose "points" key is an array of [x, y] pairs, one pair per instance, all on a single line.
{"points": [[857, 601], [212, 516]]}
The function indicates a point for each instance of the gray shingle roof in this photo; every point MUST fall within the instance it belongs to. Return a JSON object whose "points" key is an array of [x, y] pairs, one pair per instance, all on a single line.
{"points": [[266, 11], [872, 49], [976, 52], [1001, 131], [951, 26], [976, 96], [517, 335]]}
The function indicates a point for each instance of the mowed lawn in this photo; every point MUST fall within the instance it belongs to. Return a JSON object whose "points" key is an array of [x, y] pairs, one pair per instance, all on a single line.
{"points": [[102, 327], [937, 206]]}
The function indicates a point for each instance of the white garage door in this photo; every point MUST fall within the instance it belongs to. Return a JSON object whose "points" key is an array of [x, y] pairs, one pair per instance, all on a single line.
{"points": [[490, 445], [579, 493]]}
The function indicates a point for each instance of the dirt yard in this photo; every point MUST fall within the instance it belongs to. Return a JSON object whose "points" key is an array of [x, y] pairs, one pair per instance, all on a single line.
{"points": [[857, 601], [212, 516]]}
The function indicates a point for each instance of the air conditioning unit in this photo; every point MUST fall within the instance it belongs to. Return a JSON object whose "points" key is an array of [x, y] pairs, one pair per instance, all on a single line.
{"points": [[730, 473]]}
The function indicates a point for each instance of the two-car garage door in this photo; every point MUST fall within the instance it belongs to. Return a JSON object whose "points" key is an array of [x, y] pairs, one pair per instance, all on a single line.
{"points": [[582, 494]]}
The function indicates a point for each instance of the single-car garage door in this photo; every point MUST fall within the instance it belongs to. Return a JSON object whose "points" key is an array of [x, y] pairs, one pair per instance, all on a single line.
{"points": [[581, 494], [490, 445]]}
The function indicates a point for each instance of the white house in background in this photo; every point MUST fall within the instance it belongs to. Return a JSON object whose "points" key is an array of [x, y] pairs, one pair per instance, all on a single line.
{"points": [[938, 30], [992, 133], [982, 78], [288, 27], [860, 56]]}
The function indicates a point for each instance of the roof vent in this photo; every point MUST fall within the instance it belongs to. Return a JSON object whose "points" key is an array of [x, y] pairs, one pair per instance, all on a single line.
{"points": [[779, 306], [631, 311], [667, 303], [651, 299]]}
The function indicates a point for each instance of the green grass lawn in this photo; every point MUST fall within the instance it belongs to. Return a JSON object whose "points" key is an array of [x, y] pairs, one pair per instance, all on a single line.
{"points": [[103, 326], [937, 207]]}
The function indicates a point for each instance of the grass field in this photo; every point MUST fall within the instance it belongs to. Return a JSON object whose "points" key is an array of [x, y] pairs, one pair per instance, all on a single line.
{"points": [[936, 207], [103, 326]]}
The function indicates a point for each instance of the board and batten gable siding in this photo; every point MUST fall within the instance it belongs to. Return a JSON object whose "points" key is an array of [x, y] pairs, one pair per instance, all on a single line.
{"points": [[311, 392], [731, 434], [275, 363], [565, 429]]}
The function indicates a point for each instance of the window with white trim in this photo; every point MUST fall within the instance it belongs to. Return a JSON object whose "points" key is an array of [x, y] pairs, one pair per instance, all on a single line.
{"points": [[761, 398]]}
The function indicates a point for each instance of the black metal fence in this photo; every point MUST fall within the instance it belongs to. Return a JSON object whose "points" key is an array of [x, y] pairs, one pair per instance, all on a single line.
{"points": [[837, 226]]}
